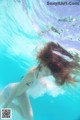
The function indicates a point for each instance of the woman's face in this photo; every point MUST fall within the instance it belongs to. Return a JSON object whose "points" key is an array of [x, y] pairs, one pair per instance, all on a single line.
{"points": [[44, 71]]}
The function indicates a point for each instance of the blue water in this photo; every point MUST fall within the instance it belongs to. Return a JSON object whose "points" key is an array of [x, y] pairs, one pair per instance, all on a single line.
{"points": [[25, 25]]}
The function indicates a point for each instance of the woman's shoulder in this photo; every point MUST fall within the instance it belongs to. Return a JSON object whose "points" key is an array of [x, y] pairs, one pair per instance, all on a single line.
{"points": [[33, 69]]}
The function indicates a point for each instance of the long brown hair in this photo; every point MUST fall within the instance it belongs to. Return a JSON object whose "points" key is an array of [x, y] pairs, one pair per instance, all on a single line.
{"points": [[60, 67]]}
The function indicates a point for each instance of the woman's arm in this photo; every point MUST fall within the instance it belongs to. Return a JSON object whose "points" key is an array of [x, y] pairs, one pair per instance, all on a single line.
{"points": [[10, 98], [29, 77]]}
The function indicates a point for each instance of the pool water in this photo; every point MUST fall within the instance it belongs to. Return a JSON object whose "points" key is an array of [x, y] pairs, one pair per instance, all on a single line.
{"points": [[25, 26]]}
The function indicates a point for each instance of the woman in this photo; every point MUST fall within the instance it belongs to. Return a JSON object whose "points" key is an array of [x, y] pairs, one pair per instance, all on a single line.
{"points": [[53, 60]]}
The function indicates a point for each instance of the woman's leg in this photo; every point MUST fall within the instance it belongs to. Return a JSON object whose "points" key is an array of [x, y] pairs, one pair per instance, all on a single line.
{"points": [[25, 106], [2, 99], [7, 92], [16, 107]]}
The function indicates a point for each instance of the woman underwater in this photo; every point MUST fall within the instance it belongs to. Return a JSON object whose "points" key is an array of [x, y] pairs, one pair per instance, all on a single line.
{"points": [[52, 61]]}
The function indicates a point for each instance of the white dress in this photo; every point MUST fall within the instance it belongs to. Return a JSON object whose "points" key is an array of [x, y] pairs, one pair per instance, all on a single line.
{"points": [[44, 85]]}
